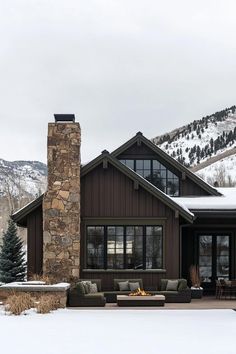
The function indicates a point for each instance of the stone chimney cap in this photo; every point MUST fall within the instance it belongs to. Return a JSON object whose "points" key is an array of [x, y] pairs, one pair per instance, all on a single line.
{"points": [[105, 152], [64, 118]]}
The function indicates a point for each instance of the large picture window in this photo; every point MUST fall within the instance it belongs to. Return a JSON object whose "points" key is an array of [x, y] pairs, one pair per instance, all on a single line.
{"points": [[115, 247], [156, 173], [95, 247], [124, 247]]}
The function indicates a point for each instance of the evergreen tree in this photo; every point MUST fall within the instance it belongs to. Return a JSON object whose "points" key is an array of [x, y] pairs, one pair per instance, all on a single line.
{"points": [[12, 262]]}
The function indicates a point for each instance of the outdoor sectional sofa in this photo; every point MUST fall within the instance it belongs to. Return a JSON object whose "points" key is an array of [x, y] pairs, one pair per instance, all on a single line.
{"points": [[99, 299], [78, 299], [182, 294]]}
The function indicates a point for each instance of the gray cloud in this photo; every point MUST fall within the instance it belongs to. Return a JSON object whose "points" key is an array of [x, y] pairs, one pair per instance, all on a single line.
{"points": [[120, 66]]}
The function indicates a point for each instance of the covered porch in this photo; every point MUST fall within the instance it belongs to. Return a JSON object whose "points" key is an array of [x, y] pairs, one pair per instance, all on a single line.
{"points": [[209, 243]]}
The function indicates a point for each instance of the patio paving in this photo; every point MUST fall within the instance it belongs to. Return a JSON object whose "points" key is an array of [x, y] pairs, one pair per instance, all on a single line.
{"points": [[206, 303]]}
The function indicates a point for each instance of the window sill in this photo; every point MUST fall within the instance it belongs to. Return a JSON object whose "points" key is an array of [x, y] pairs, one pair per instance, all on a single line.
{"points": [[124, 270]]}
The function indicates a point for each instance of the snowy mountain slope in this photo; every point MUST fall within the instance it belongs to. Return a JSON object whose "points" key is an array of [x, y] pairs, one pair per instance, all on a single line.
{"points": [[20, 182], [214, 159], [201, 139], [22, 177]]}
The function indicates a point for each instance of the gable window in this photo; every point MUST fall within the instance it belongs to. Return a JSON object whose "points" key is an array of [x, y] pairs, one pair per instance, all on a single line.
{"points": [[156, 173], [124, 247]]}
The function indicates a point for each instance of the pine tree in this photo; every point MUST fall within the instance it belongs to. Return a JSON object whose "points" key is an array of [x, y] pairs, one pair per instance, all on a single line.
{"points": [[12, 262]]}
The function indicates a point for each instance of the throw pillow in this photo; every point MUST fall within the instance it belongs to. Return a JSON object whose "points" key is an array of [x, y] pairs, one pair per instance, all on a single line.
{"points": [[80, 288], [86, 285], [124, 286], [134, 286], [172, 285], [93, 288]]}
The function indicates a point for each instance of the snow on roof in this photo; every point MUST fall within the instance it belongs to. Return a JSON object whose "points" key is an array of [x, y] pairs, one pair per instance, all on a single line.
{"points": [[225, 202]]}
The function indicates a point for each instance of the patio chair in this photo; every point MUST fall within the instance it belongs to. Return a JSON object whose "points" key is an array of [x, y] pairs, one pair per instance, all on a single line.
{"points": [[219, 289], [226, 288], [233, 289]]}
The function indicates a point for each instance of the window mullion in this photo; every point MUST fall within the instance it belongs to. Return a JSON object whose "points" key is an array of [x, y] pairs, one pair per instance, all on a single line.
{"points": [[144, 247], [105, 247], [124, 248]]}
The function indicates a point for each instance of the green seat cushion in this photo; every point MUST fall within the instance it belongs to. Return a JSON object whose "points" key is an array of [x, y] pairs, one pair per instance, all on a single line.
{"points": [[163, 284], [80, 288], [168, 292], [116, 293], [182, 284], [94, 295]]}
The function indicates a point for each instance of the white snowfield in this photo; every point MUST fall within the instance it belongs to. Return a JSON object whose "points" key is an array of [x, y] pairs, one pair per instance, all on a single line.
{"points": [[225, 202], [120, 331]]}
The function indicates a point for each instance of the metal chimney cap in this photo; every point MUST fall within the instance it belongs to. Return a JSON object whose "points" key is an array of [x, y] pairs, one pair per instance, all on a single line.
{"points": [[64, 118]]}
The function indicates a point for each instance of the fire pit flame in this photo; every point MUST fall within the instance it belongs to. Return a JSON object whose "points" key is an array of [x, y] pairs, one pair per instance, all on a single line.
{"points": [[139, 292]]}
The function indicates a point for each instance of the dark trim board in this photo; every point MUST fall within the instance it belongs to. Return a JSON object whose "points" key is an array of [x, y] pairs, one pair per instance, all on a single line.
{"points": [[35, 242]]}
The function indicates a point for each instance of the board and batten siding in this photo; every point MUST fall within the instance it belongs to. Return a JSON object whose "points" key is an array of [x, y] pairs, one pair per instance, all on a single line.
{"points": [[35, 242], [109, 196]]}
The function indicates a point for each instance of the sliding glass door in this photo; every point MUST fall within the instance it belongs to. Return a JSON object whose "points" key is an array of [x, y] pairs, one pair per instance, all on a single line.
{"points": [[214, 257]]}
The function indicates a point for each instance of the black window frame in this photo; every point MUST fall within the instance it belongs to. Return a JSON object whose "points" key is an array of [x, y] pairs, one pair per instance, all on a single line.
{"points": [[152, 171], [144, 255]]}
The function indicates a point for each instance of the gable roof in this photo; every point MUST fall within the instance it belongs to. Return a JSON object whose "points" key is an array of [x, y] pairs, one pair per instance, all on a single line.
{"points": [[140, 138], [108, 158], [20, 215]]}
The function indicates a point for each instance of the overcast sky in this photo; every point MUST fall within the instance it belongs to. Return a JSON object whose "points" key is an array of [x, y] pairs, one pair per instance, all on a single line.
{"points": [[121, 66]]}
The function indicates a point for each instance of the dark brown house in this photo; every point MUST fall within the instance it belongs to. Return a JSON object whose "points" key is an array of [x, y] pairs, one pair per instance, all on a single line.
{"points": [[132, 213]]}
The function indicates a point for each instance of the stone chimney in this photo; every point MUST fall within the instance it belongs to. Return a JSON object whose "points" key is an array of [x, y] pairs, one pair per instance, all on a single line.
{"points": [[61, 204]]}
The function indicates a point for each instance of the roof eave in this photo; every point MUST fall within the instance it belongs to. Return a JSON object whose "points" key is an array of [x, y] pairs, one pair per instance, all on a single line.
{"points": [[19, 217]]}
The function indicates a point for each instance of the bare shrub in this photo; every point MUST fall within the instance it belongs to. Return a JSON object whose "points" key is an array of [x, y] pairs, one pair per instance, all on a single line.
{"points": [[47, 303], [195, 276], [18, 303], [220, 178]]}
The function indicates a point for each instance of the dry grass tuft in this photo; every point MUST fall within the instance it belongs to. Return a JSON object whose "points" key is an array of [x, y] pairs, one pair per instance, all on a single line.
{"points": [[195, 276], [47, 303], [18, 303]]}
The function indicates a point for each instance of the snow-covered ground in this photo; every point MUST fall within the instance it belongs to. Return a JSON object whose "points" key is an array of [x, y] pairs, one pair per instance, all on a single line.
{"points": [[122, 331]]}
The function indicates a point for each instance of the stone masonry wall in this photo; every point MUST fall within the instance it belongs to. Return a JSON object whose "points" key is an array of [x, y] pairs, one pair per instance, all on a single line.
{"points": [[61, 205]]}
